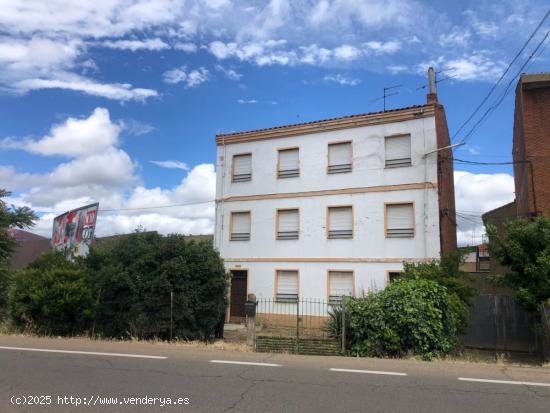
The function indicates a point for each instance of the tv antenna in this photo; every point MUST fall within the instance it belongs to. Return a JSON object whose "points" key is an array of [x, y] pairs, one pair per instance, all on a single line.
{"points": [[386, 94]]}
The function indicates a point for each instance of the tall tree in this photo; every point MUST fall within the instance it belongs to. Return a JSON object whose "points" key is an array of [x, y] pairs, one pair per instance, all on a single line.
{"points": [[10, 216]]}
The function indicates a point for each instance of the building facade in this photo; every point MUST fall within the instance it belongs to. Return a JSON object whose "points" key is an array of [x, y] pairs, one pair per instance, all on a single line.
{"points": [[531, 150], [333, 207]]}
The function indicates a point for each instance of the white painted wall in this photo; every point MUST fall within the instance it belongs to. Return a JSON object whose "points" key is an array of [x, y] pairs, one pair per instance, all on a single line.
{"points": [[369, 241]]}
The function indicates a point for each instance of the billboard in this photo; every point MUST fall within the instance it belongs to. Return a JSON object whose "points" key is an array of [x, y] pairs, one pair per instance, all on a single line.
{"points": [[75, 229]]}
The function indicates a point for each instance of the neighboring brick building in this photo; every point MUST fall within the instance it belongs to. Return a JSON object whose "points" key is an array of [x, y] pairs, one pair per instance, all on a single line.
{"points": [[531, 151]]}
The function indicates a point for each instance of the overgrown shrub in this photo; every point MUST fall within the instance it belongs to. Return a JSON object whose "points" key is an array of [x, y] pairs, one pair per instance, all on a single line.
{"points": [[525, 249], [133, 279], [411, 316], [446, 273], [51, 296]]}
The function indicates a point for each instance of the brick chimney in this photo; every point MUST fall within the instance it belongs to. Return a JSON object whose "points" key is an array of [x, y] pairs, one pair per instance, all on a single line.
{"points": [[432, 91]]}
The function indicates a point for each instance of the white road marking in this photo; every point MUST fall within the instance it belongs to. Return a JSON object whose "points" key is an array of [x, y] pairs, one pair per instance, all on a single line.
{"points": [[389, 373], [87, 353], [525, 383], [248, 363]]}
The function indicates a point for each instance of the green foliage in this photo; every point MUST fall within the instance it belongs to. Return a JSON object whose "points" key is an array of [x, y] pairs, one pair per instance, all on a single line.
{"points": [[10, 217], [411, 316], [446, 273], [51, 296], [525, 248], [133, 279]]}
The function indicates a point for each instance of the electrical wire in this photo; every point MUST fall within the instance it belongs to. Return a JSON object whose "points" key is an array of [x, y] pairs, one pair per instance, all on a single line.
{"points": [[502, 76]]}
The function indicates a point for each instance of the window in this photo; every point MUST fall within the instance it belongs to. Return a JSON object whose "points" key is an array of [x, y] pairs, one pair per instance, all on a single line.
{"points": [[400, 220], [242, 168], [340, 284], [339, 157], [240, 226], [340, 222], [289, 163], [393, 275], [287, 286], [398, 151], [288, 224]]}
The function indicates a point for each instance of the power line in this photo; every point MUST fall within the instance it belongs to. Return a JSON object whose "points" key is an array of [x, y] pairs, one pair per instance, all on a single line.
{"points": [[506, 90], [502, 76]]}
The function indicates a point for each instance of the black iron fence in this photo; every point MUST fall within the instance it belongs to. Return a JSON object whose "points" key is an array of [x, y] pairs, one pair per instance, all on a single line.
{"points": [[303, 318]]}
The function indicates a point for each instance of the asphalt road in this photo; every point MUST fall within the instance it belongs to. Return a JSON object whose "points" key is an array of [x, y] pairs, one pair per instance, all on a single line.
{"points": [[211, 382]]}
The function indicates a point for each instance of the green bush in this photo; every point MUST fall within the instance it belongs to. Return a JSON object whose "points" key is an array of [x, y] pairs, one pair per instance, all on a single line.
{"points": [[133, 279], [411, 316], [446, 273], [51, 296], [525, 249]]}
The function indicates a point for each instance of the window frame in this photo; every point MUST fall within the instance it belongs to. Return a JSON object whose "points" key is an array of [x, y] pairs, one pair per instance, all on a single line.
{"points": [[329, 144], [328, 283], [388, 272], [329, 207], [233, 166], [386, 204], [231, 217], [397, 135], [278, 170], [276, 286], [277, 221]]}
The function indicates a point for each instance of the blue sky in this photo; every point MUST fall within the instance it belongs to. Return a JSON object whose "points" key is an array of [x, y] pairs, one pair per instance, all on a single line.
{"points": [[119, 100]]}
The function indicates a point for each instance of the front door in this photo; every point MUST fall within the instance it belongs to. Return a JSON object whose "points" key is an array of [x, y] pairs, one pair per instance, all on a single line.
{"points": [[238, 295]]}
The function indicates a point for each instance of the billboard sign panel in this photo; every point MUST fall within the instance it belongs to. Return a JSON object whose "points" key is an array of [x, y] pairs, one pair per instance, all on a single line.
{"points": [[75, 229]]}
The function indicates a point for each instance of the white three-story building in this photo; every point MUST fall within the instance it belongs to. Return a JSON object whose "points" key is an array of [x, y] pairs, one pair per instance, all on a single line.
{"points": [[333, 207]]}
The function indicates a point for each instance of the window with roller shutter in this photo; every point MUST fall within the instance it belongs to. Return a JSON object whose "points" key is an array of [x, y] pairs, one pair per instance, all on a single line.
{"points": [[288, 163], [339, 157], [340, 284], [240, 226], [287, 286], [398, 151], [242, 168], [400, 220], [288, 224], [340, 222]]}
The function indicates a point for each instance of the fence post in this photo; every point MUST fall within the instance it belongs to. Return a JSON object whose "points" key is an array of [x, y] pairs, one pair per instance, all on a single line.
{"points": [[251, 322], [297, 324], [171, 313], [343, 324]]}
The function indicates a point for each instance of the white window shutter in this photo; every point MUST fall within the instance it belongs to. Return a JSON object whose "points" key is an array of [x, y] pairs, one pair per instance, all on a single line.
{"points": [[289, 163], [287, 285], [240, 228], [400, 220], [339, 157], [340, 222], [289, 224], [242, 168], [398, 151], [340, 283]]}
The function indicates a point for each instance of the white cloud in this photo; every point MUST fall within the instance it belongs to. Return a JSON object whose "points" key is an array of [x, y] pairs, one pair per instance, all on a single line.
{"points": [[388, 47], [458, 37], [342, 80], [191, 78], [74, 137], [109, 177], [115, 91], [229, 73], [186, 47], [476, 194], [346, 52], [171, 165], [135, 127], [247, 101], [133, 45]]}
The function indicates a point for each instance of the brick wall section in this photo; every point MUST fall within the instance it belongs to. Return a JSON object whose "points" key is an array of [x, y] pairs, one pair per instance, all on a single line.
{"points": [[532, 144], [445, 180]]}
